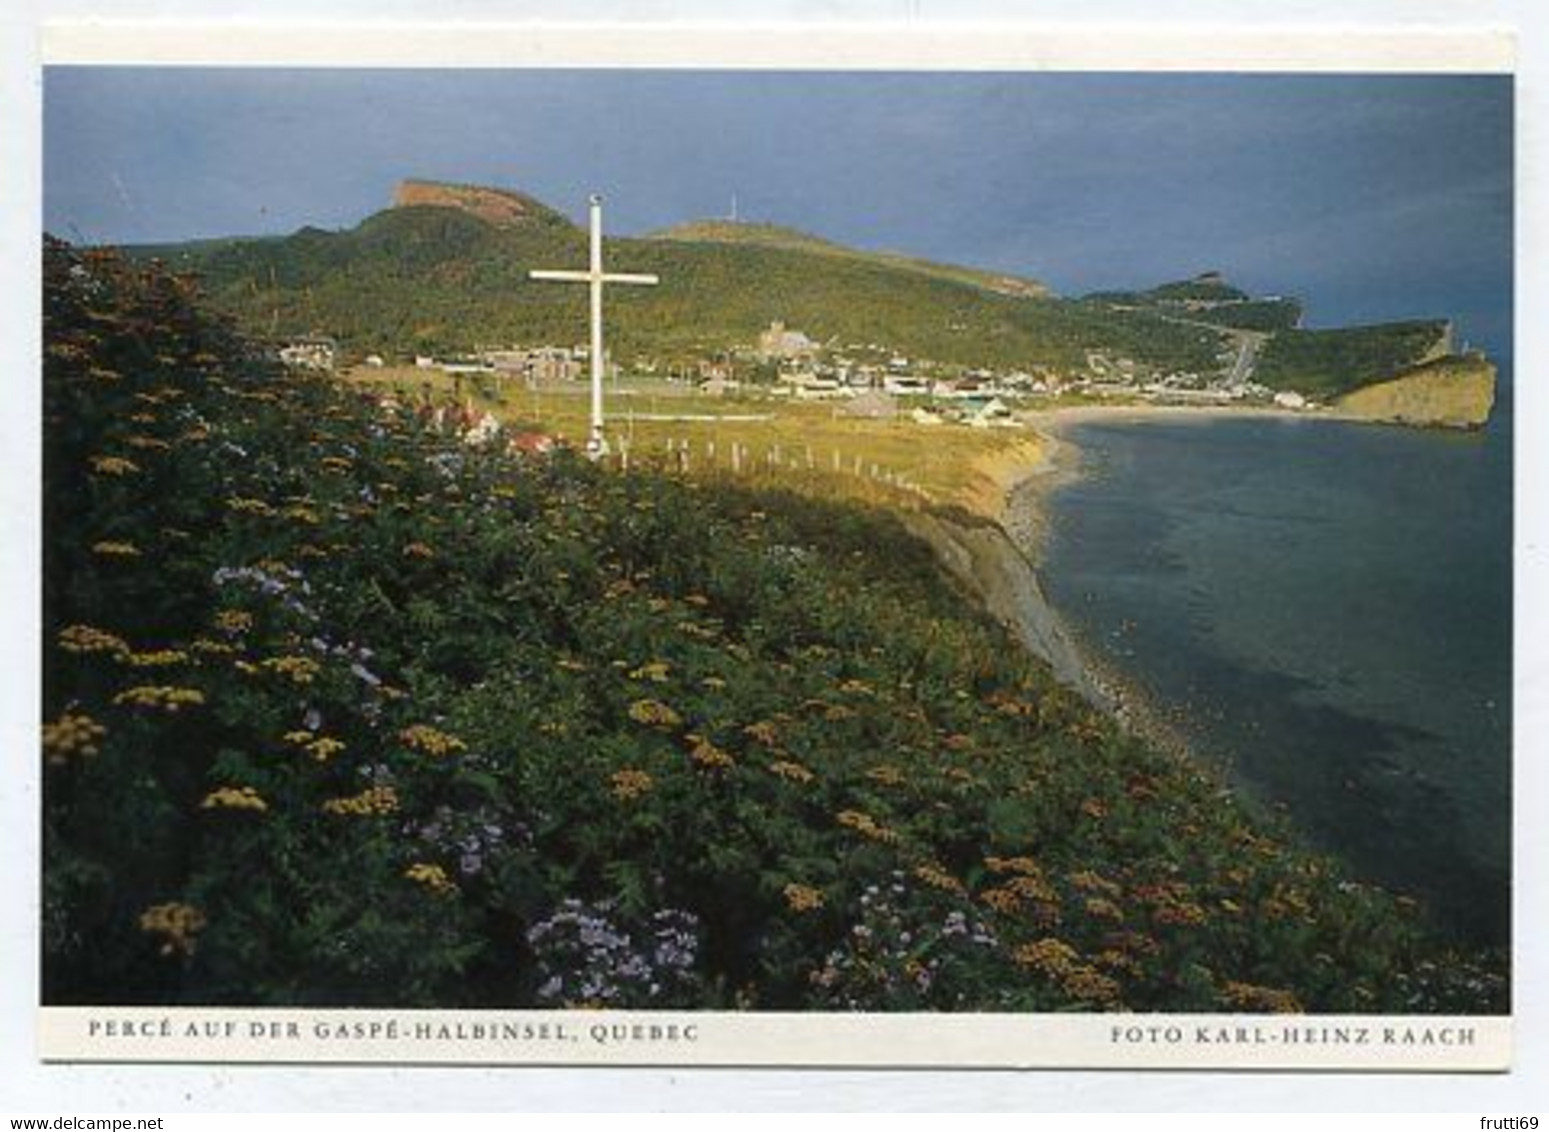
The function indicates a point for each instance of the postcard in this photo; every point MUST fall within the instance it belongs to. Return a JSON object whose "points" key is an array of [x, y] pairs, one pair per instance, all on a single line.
{"points": [[707, 548]]}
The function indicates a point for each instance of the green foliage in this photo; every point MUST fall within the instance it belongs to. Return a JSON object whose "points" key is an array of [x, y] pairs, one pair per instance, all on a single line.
{"points": [[437, 279], [341, 711], [775, 236], [1227, 305], [1255, 314], [1199, 290], [1327, 363]]}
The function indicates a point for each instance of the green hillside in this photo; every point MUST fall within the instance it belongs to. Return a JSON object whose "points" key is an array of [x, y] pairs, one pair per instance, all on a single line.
{"points": [[791, 239], [1207, 298], [438, 279], [1328, 363], [339, 711]]}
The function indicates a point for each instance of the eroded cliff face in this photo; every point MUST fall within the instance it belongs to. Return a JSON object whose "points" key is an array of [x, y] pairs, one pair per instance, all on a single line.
{"points": [[1457, 391], [496, 206]]}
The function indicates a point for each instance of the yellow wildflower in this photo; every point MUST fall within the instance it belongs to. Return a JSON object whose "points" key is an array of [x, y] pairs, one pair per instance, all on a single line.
{"points": [[936, 877], [177, 924], [1090, 985], [1247, 996], [1102, 908], [656, 671], [708, 755], [1024, 865], [320, 747], [300, 669], [1088, 881], [629, 784], [1118, 961], [791, 772], [247, 506], [115, 549], [1184, 912], [438, 744], [886, 774], [158, 658], [162, 696], [654, 713], [233, 621], [113, 466], [1049, 955], [71, 735], [375, 800], [324, 748], [763, 732], [86, 639], [802, 898], [234, 798], [1002, 900], [432, 877], [1030, 887], [867, 826]]}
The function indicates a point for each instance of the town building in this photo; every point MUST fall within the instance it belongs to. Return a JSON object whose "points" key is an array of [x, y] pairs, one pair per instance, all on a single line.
{"points": [[309, 351], [779, 342]]}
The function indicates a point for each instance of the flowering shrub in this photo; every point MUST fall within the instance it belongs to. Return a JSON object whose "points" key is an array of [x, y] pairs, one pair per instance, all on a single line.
{"points": [[340, 712], [584, 958]]}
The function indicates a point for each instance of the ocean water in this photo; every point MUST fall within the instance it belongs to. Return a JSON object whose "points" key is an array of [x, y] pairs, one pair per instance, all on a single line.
{"points": [[1325, 610]]}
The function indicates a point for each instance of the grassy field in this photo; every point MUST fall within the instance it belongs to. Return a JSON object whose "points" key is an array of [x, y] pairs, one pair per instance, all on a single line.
{"points": [[811, 446]]}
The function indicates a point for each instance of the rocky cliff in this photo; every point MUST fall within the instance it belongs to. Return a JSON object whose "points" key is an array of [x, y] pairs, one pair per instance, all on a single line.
{"points": [[1455, 391], [500, 207]]}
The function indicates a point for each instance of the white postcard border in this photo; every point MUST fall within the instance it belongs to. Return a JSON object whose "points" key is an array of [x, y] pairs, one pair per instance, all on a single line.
{"points": [[1390, 1043], [1015, 47]]}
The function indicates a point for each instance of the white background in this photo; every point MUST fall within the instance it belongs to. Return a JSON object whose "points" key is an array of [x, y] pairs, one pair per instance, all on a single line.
{"points": [[28, 1088]]}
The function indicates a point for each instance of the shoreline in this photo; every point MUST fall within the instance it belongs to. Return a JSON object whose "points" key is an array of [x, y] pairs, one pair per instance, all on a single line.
{"points": [[1003, 566]]}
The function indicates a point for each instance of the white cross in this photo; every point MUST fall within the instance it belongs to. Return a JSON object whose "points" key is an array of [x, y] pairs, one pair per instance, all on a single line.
{"points": [[595, 444]]}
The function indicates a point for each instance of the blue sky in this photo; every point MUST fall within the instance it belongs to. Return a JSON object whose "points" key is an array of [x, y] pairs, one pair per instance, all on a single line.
{"points": [[1369, 196]]}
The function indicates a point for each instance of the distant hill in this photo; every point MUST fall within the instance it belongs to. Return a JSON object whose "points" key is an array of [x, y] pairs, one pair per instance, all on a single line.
{"points": [[446, 270], [791, 239], [1208, 298]]}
